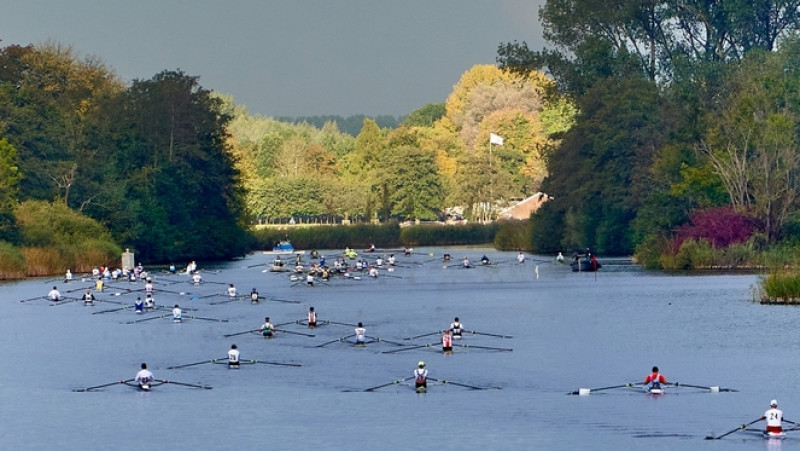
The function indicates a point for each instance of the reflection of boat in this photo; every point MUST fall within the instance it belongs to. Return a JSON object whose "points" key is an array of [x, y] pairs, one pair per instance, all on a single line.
{"points": [[584, 263]]}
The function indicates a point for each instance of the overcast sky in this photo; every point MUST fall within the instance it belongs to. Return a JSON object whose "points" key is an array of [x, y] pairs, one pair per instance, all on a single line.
{"points": [[288, 58]]}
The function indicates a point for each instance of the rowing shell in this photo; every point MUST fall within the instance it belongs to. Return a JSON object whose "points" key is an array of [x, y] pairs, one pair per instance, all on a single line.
{"points": [[775, 435], [768, 435]]}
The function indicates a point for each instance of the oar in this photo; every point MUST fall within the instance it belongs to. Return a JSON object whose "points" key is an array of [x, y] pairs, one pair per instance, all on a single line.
{"points": [[146, 319], [424, 335], [238, 298], [111, 310], [340, 324], [712, 389], [196, 363], [381, 340], [483, 347], [473, 332], [399, 381], [288, 301], [274, 363], [295, 333], [334, 341], [207, 387], [408, 348], [744, 426], [34, 299], [102, 386], [586, 391], [206, 319], [240, 333], [443, 381]]}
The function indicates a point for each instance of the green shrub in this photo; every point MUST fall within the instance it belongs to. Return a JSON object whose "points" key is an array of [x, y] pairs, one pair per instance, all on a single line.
{"points": [[513, 235], [12, 263], [780, 287]]}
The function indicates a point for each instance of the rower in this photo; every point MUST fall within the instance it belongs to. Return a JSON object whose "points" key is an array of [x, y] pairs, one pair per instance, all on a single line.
{"points": [[391, 260], [360, 334], [267, 329], [378, 261], [172, 269], [408, 251], [254, 296], [278, 262], [176, 314], [447, 341], [233, 357], [312, 318], [99, 284], [373, 272], [148, 286], [521, 257], [231, 291], [465, 263], [421, 377], [54, 295], [654, 379], [774, 417], [149, 302], [197, 278], [68, 276], [446, 257], [457, 328], [95, 272], [138, 306], [144, 377], [310, 280], [88, 298], [560, 258], [484, 260]]}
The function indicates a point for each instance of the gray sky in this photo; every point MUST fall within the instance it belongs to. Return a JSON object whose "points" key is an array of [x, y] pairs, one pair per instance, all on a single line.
{"points": [[288, 58]]}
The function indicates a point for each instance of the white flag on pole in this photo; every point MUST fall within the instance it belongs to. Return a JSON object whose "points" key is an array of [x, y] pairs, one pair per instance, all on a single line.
{"points": [[495, 139]]}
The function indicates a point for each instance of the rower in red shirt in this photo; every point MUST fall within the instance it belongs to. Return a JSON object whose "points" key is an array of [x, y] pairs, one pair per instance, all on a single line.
{"points": [[654, 379]]}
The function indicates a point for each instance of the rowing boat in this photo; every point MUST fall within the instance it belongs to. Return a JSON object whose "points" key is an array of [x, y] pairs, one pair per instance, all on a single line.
{"points": [[768, 435]]}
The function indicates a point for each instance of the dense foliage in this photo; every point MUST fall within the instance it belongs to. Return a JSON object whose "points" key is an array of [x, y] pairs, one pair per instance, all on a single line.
{"points": [[150, 161], [683, 108]]}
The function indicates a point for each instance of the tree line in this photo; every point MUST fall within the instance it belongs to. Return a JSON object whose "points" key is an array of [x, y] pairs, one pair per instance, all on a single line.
{"points": [[688, 119]]}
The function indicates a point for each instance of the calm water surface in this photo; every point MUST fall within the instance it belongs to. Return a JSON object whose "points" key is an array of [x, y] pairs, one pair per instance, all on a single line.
{"points": [[570, 330]]}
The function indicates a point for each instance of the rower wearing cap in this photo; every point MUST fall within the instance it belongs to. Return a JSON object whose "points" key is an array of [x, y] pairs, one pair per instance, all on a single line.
{"points": [[421, 376], [654, 379], [233, 357], [774, 417]]}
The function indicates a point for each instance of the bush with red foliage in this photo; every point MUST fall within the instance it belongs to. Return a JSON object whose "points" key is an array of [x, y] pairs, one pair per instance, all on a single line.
{"points": [[720, 226]]}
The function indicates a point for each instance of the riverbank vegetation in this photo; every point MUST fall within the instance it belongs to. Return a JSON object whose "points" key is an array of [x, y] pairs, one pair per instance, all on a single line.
{"points": [[682, 152]]}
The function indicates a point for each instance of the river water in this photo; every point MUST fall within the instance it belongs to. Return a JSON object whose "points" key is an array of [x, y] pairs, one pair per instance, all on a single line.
{"points": [[570, 331]]}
